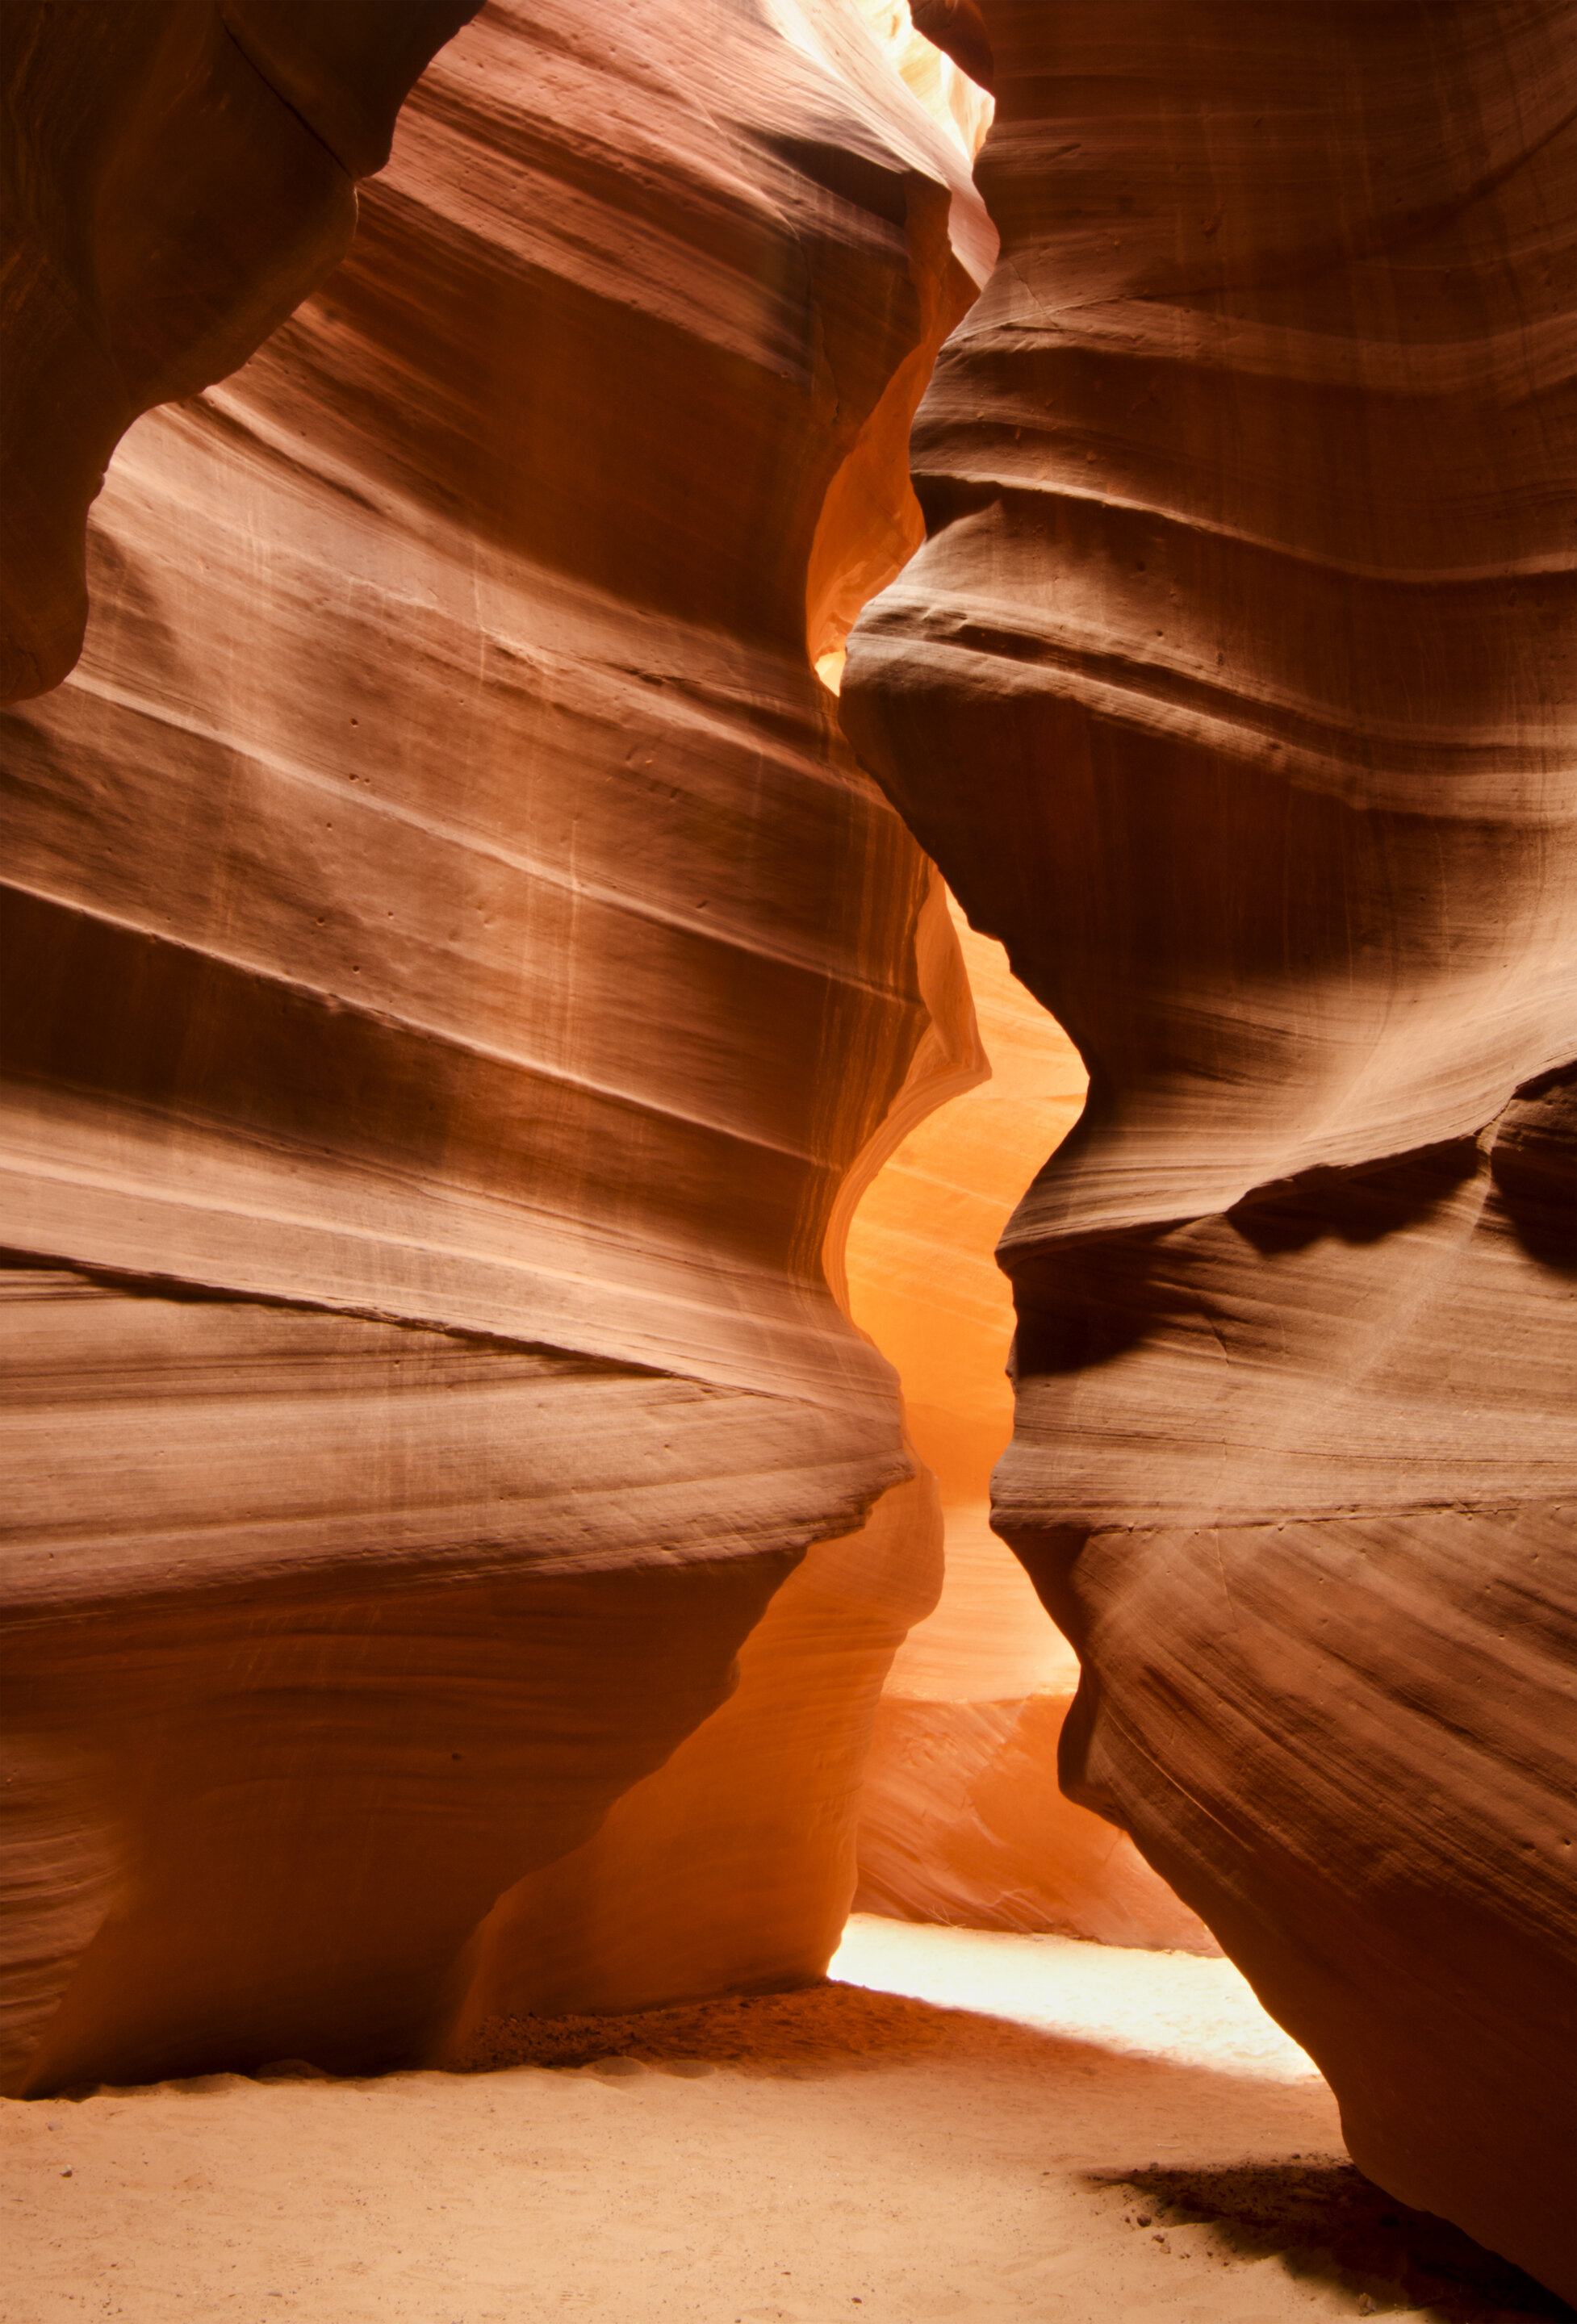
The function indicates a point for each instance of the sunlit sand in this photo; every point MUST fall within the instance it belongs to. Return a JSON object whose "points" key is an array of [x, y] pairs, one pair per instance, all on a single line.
{"points": [[1043, 2129]]}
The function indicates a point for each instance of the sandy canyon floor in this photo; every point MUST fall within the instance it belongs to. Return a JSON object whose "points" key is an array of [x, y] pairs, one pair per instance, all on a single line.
{"points": [[959, 2126]]}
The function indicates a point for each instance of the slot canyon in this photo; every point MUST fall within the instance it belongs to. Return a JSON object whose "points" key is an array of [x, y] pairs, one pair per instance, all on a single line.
{"points": [[789, 1156]]}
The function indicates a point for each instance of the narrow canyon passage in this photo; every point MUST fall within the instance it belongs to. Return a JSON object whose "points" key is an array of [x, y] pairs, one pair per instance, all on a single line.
{"points": [[612, 618], [962, 1817], [962, 2125]]}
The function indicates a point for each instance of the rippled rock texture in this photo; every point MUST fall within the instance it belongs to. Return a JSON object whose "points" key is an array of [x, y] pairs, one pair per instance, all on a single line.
{"points": [[459, 978], [174, 180], [1231, 691]]}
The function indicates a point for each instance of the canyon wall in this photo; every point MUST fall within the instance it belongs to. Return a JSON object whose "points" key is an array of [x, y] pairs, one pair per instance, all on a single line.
{"points": [[1231, 691], [459, 978], [962, 1818], [173, 179], [462, 983]]}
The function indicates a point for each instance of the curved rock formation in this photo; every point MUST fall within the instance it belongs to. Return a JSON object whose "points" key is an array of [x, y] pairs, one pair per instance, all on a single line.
{"points": [[172, 181], [922, 1281], [1229, 691], [731, 1869], [456, 967]]}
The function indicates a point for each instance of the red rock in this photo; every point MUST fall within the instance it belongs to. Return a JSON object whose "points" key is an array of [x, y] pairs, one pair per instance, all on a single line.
{"points": [[468, 982], [732, 1867], [1229, 691], [178, 177], [461, 967]]}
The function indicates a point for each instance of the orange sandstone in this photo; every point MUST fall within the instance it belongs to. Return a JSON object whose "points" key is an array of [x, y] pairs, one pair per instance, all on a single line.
{"points": [[962, 1817]]}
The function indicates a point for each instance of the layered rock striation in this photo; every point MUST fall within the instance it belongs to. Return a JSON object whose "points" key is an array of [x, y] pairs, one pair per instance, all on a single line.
{"points": [[1231, 692], [461, 984], [457, 971], [174, 180]]}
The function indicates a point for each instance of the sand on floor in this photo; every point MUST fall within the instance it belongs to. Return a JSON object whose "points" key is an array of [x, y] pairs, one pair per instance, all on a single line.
{"points": [[958, 2126]]}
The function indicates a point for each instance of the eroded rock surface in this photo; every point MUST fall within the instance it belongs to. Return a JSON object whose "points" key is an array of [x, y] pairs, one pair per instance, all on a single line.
{"points": [[174, 180], [962, 1819], [456, 967], [1231, 691]]}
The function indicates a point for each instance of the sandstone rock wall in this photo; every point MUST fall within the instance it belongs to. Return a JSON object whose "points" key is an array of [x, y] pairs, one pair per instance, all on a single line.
{"points": [[456, 967], [732, 1867], [467, 983], [1231, 691], [173, 180]]}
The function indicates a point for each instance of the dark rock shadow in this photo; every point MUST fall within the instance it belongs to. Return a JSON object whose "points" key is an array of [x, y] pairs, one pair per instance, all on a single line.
{"points": [[1533, 1164], [1366, 1204], [1325, 2221]]}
